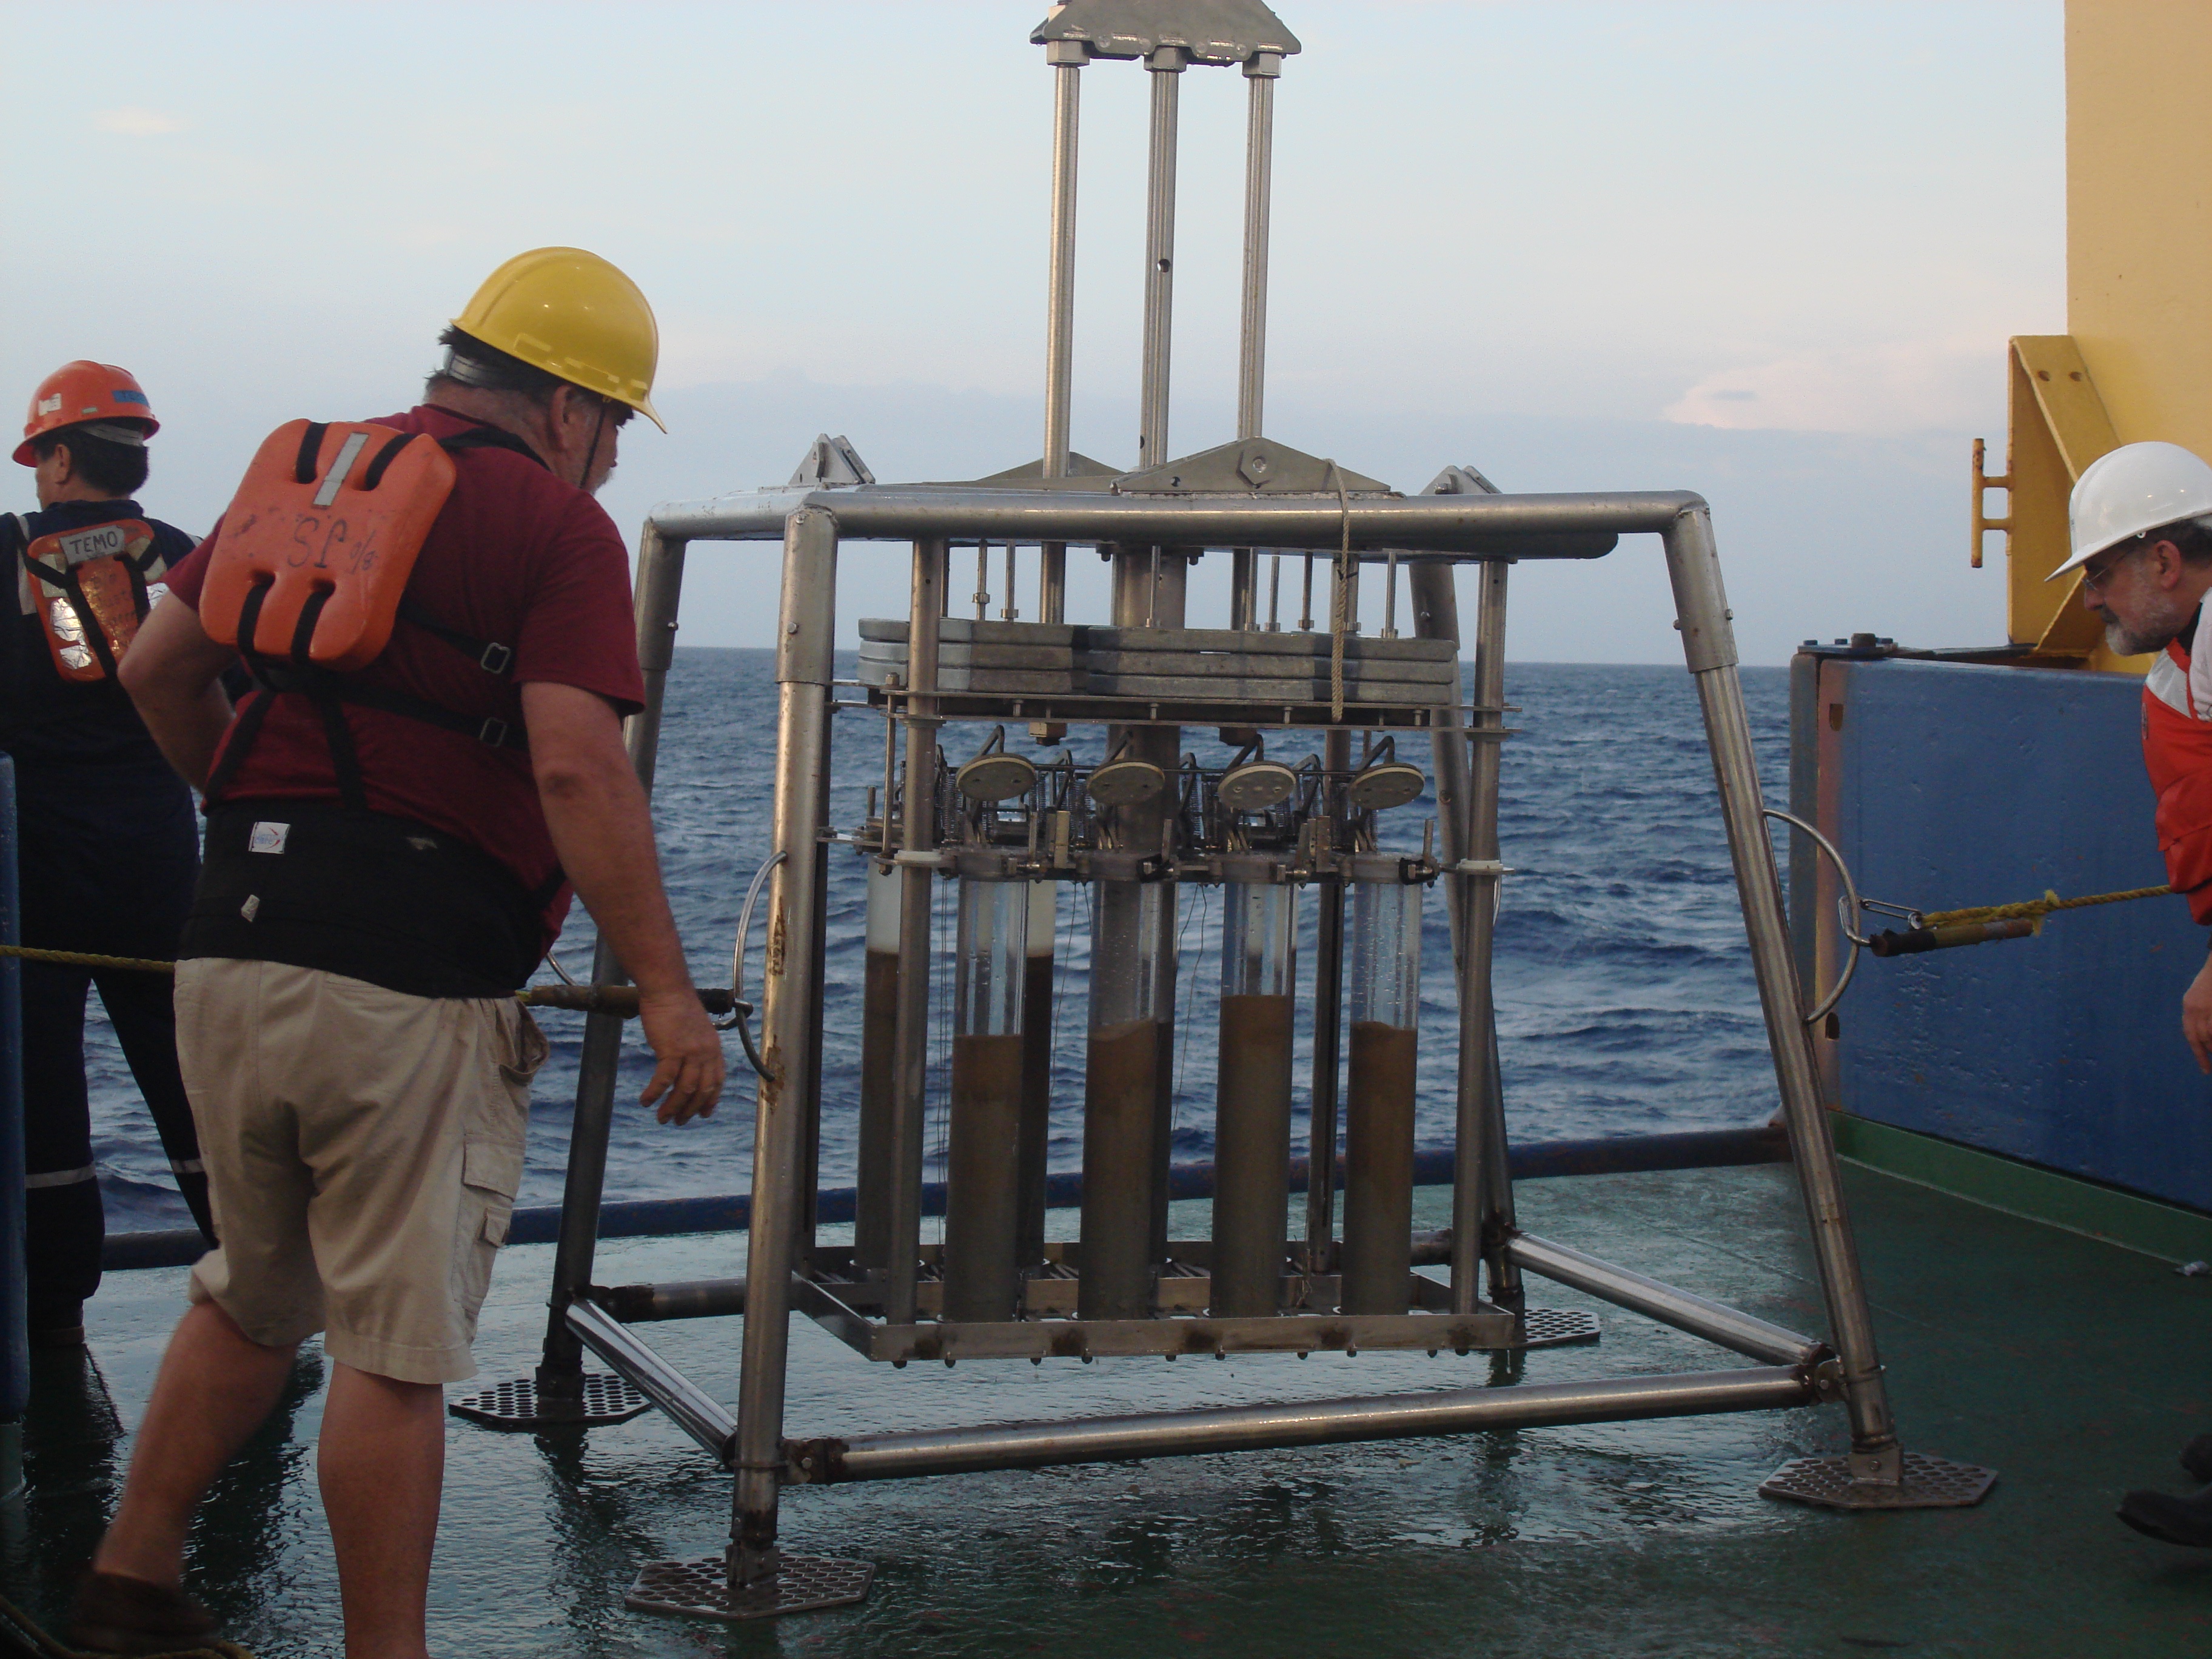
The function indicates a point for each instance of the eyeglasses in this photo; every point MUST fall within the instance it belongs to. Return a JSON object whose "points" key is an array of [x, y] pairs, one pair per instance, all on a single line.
{"points": [[2094, 580]]}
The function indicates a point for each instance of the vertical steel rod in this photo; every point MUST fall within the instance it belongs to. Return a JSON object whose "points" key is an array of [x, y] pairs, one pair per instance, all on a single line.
{"points": [[1328, 1031], [1166, 64], [1708, 648], [805, 669], [910, 1073], [1482, 1195], [810, 1176], [1066, 58], [560, 1378], [1432, 586], [1259, 171]]}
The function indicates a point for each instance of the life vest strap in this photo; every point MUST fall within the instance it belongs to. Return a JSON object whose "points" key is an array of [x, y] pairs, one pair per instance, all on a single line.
{"points": [[323, 686]]}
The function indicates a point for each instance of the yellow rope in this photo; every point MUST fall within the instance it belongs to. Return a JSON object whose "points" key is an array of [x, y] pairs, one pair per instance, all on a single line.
{"points": [[2036, 909], [574, 998], [86, 959]]}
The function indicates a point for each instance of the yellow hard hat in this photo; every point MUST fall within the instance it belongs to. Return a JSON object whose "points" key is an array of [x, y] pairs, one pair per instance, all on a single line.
{"points": [[575, 316]]}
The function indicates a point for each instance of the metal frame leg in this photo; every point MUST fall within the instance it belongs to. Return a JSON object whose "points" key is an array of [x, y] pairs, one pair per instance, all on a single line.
{"points": [[1328, 1046], [1876, 1474], [910, 1065], [804, 671]]}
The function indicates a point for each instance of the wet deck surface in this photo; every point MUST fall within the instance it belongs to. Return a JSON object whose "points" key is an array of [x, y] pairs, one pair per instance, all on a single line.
{"points": [[2074, 1368]]}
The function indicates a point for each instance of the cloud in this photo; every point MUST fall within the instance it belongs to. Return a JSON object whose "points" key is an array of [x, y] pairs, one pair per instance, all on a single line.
{"points": [[1899, 386], [136, 123]]}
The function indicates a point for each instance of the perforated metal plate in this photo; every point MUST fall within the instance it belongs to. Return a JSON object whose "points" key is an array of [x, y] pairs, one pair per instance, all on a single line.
{"points": [[514, 1406], [1931, 1483], [1549, 1327], [700, 1588]]}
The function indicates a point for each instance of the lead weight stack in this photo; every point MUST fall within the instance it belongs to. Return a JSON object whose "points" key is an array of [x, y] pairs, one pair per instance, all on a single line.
{"points": [[1376, 1260], [1131, 971], [1252, 1121], [982, 1272], [1036, 1148]]}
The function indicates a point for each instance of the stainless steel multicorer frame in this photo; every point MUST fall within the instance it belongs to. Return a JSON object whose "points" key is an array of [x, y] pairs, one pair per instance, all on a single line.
{"points": [[1247, 497]]}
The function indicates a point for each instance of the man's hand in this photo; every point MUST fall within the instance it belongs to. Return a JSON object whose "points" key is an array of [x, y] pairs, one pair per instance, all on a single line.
{"points": [[603, 834], [688, 1081], [2196, 1016]]}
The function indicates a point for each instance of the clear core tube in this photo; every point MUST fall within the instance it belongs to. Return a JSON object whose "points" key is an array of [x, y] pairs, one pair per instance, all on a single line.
{"points": [[1376, 1261], [983, 1276], [1252, 1098], [1131, 973]]}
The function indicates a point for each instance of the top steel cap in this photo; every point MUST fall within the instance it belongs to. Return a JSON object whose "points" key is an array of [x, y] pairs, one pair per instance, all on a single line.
{"points": [[1211, 31]]}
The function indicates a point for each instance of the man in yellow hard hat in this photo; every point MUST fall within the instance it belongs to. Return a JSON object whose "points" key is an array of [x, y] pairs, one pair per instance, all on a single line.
{"points": [[389, 852]]}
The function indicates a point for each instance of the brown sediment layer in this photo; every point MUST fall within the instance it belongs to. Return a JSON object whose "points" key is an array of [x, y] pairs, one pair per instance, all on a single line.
{"points": [[879, 1066], [1036, 1107], [1378, 1170], [1120, 1098], [982, 1277], [1251, 1156]]}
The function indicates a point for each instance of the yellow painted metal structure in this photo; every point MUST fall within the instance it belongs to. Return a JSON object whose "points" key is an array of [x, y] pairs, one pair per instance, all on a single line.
{"points": [[2137, 362]]}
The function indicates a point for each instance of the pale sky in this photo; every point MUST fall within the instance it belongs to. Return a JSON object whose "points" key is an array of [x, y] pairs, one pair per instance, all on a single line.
{"points": [[1767, 251]]}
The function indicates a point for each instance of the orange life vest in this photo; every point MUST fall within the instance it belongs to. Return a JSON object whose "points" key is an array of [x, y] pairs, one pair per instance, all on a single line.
{"points": [[91, 593], [2177, 754], [316, 548], [308, 575]]}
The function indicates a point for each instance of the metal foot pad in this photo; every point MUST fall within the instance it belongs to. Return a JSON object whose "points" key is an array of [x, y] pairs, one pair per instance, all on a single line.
{"points": [[1549, 1327], [702, 1587], [1931, 1483], [515, 1405]]}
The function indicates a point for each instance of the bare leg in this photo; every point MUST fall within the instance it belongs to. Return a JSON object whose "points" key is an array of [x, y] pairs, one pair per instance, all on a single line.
{"points": [[382, 1461], [215, 1388]]}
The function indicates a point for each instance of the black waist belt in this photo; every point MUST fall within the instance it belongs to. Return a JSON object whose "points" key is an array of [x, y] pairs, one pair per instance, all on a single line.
{"points": [[319, 884]]}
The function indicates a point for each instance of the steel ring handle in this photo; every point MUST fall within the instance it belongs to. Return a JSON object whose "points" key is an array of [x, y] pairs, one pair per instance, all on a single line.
{"points": [[1846, 909], [738, 965]]}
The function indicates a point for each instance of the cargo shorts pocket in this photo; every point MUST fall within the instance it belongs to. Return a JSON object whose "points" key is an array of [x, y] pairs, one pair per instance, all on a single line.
{"points": [[492, 1154]]}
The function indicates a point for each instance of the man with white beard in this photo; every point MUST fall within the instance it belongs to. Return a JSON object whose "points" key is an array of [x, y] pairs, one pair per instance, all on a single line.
{"points": [[2140, 527]]}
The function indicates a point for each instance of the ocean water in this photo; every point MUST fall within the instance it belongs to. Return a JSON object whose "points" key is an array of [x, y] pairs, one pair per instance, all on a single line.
{"points": [[1625, 995]]}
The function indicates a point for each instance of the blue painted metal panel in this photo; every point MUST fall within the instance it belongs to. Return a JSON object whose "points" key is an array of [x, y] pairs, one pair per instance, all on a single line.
{"points": [[1958, 785]]}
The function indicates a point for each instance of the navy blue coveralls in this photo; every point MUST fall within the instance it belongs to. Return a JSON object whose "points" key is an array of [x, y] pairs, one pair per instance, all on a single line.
{"points": [[109, 850]]}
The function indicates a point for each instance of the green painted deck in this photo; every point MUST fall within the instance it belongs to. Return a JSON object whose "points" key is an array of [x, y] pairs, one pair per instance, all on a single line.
{"points": [[2074, 1367]]}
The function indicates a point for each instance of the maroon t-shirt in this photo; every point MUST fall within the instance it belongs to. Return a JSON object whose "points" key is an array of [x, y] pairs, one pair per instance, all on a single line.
{"points": [[516, 558]]}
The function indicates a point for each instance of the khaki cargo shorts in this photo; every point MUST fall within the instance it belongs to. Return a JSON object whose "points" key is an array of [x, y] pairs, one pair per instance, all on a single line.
{"points": [[363, 1148]]}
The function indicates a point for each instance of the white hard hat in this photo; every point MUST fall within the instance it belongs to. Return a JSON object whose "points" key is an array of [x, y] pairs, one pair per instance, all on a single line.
{"points": [[2129, 491]]}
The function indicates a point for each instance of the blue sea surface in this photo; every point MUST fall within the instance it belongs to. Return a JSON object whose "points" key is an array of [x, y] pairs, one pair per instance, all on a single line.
{"points": [[1624, 996]]}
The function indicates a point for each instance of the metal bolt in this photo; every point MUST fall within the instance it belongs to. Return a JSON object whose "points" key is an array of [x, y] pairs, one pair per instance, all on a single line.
{"points": [[791, 627]]}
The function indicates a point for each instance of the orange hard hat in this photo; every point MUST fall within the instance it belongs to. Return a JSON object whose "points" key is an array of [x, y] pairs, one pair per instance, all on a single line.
{"points": [[84, 391]]}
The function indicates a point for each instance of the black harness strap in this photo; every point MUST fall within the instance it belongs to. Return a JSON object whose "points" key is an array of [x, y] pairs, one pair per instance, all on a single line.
{"points": [[241, 736], [323, 686], [384, 458], [311, 451], [490, 655]]}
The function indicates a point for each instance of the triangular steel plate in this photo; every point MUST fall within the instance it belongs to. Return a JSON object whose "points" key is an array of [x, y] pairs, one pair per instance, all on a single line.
{"points": [[1249, 466], [1083, 473], [831, 462]]}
